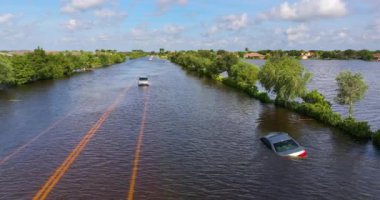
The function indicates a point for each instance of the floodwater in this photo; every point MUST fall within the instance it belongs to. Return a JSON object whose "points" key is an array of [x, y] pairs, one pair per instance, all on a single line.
{"points": [[98, 135], [324, 73]]}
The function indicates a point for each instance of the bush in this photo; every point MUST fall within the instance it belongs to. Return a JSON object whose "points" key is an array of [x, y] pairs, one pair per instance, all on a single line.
{"points": [[243, 77], [248, 89], [315, 97], [359, 130], [263, 97], [376, 138], [321, 112]]}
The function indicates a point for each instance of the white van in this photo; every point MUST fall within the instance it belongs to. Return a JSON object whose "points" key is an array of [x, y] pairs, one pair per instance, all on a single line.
{"points": [[143, 81]]}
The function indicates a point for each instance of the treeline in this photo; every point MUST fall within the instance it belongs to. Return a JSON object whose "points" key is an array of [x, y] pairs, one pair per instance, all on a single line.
{"points": [[348, 54], [39, 65], [282, 75], [134, 54]]}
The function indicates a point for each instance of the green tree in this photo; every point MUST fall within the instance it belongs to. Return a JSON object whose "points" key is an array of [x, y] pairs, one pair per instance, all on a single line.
{"points": [[6, 75], [244, 73], [284, 76], [23, 70], [38, 60], [351, 89], [349, 54], [162, 51], [314, 97], [365, 55], [224, 61]]}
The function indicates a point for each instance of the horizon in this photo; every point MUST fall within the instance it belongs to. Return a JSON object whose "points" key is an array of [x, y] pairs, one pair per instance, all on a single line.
{"points": [[157, 51], [189, 25]]}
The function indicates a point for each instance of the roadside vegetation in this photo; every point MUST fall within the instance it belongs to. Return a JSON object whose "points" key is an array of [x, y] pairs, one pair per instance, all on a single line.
{"points": [[285, 77], [39, 65], [134, 54], [351, 89]]}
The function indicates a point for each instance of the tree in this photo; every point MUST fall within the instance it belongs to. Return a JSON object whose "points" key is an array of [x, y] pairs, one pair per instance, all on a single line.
{"points": [[38, 60], [244, 73], [224, 61], [162, 51], [365, 55], [23, 70], [349, 54], [351, 89], [284, 76], [314, 97], [5, 70]]}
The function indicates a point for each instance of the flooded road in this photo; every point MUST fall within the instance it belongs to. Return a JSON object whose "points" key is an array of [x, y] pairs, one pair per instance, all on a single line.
{"points": [[99, 136]]}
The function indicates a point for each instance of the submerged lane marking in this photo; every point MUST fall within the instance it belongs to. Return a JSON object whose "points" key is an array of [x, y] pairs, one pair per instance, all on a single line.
{"points": [[61, 170], [22, 147], [137, 153]]}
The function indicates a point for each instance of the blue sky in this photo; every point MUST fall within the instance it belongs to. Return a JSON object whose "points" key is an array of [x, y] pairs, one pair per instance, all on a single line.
{"points": [[189, 24]]}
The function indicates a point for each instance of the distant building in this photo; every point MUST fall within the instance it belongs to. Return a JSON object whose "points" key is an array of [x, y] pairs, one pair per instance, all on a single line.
{"points": [[306, 55], [254, 56], [376, 56]]}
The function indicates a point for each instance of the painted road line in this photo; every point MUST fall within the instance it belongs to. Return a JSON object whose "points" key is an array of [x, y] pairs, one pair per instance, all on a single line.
{"points": [[62, 169], [137, 153], [22, 147]]}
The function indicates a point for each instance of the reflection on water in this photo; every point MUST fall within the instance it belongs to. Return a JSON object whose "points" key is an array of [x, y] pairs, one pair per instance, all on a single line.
{"points": [[324, 74], [201, 141]]}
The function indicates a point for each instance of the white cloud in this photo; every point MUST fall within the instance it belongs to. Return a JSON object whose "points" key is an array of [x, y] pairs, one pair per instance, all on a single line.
{"points": [[165, 5], [173, 29], [73, 6], [230, 23], [375, 25], [169, 37], [104, 37], [6, 18], [342, 34], [167, 32], [140, 33], [306, 10], [74, 24], [300, 34], [108, 13], [109, 17], [234, 22], [372, 32]]}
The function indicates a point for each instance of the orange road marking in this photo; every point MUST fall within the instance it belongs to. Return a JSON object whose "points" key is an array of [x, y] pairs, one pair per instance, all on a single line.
{"points": [[137, 154], [22, 147], [62, 169]]}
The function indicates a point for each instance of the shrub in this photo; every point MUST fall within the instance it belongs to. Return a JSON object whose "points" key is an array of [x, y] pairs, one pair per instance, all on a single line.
{"points": [[219, 78], [321, 112], [263, 97], [376, 138], [314, 97], [359, 130], [243, 77]]}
